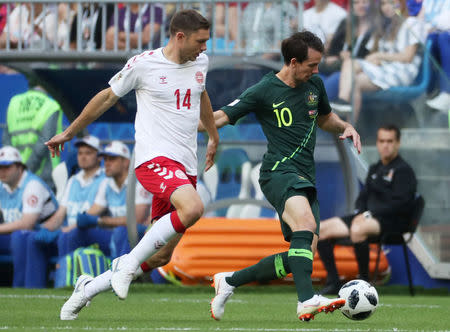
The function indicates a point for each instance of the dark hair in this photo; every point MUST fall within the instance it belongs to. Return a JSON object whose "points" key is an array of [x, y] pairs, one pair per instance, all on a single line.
{"points": [[391, 127], [296, 46], [188, 21]]}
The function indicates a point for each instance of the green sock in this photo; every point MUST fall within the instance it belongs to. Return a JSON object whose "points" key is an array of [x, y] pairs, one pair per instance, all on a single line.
{"points": [[268, 268], [301, 261]]}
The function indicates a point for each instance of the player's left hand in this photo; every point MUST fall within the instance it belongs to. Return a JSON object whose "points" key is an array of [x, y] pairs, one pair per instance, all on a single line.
{"points": [[210, 154], [351, 133]]}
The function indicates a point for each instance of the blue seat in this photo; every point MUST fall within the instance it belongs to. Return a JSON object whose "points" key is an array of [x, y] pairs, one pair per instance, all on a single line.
{"points": [[229, 164], [408, 94]]}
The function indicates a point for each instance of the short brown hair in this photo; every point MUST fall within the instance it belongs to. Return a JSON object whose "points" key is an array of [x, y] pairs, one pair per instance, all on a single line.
{"points": [[188, 21], [296, 46]]}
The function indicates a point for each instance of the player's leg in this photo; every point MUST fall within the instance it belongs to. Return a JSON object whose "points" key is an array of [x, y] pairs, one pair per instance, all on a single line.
{"points": [[269, 268], [299, 215], [330, 229], [166, 179], [87, 287], [360, 229]]}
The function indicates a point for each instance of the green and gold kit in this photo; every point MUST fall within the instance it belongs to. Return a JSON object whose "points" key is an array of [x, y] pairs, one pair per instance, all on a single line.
{"points": [[288, 117]]}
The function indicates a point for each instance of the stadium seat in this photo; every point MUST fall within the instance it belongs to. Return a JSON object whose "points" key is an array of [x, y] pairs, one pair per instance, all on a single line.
{"points": [[224, 180], [403, 239], [410, 94], [252, 210]]}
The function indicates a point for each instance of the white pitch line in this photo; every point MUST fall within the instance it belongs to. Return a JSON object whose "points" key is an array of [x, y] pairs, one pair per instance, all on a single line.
{"points": [[217, 329]]}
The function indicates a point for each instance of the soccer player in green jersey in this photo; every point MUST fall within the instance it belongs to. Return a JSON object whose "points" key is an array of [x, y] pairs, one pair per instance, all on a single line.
{"points": [[289, 105]]}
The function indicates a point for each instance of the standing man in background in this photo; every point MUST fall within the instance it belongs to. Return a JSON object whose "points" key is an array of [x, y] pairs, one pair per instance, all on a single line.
{"points": [[33, 118]]}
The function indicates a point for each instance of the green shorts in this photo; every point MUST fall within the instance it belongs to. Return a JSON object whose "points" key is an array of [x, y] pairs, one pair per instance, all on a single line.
{"points": [[278, 187]]}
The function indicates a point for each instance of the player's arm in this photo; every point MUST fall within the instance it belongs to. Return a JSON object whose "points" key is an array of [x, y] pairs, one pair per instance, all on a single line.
{"points": [[207, 118], [333, 124], [220, 119], [27, 221], [98, 105]]}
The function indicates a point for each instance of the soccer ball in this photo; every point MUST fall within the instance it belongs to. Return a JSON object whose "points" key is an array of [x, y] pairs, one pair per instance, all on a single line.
{"points": [[361, 299]]}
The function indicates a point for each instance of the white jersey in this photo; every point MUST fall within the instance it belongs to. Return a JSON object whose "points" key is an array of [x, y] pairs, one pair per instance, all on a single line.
{"points": [[168, 105]]}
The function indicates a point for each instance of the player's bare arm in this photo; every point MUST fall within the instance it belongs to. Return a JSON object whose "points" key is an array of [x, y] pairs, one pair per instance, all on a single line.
{"points": [[220, 120], [333, 124], [98, 105], [207, 118]]}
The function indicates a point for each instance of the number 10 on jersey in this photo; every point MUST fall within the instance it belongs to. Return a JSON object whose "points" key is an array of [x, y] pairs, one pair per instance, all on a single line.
{"points": [[186, 99]]}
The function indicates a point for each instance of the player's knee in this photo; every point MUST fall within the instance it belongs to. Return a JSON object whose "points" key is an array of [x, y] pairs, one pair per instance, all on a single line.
{"points": [[190, 213]]}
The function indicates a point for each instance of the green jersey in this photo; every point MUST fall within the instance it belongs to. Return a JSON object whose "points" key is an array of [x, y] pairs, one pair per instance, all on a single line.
{"points": [[288, 117]]}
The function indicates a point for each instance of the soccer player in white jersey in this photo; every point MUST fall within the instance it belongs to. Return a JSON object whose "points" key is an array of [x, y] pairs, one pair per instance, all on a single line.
{"points": [[171, 99]]}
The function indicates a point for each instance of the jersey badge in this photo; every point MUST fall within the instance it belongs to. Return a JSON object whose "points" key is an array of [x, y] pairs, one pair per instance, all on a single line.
{"points": [[162, 80], [32, 200], [312, 113], [199, 77], [311, 99]]}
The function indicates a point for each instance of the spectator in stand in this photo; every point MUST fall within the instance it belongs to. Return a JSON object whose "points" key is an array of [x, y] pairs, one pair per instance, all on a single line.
{"points": [[233, 24], [105, 221], [323, 19], [78, 197], [33, 117], [265, 24], [26, 202], [91, 22], [310, 3], [133, 18], [344, 45], [3, 9], [436, 14], [394, 60], [30, 31]]}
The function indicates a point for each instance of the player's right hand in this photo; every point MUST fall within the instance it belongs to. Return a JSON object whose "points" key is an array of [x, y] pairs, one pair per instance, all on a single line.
{"points": [[56, 143], [210, 153]]}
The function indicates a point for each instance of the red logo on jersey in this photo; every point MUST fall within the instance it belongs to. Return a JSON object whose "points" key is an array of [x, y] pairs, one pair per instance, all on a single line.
{"points": [[32, 200], [162, 80], [199, 77]]}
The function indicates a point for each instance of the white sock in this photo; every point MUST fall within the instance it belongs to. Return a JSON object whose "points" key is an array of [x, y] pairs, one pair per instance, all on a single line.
{"points": [[100, 284], [158, 235]]}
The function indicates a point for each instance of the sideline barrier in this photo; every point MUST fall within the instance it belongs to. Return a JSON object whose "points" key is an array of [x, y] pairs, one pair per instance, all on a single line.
{"points": [[215, 245]]}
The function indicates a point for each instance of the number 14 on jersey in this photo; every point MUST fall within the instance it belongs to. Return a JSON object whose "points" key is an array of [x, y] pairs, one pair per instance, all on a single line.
{"points": [[186, 99]]}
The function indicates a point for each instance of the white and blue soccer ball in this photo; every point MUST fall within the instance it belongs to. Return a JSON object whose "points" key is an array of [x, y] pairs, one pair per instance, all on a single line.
{"points": [[361, 299]]}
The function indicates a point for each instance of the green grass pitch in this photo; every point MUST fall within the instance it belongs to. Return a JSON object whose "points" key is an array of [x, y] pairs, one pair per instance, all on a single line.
{"points": [[172, 308]]}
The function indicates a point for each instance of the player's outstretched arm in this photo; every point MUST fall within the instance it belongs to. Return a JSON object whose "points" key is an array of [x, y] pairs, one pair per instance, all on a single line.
{"points": [[333, 124], [98, 105], [207, 119]]}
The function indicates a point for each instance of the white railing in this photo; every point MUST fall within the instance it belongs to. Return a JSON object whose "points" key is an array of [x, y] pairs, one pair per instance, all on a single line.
{"points": [[78, 30]]}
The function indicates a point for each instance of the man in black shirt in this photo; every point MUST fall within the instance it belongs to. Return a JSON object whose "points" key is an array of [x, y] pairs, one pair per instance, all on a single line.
{"points": [[383, 205]]}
